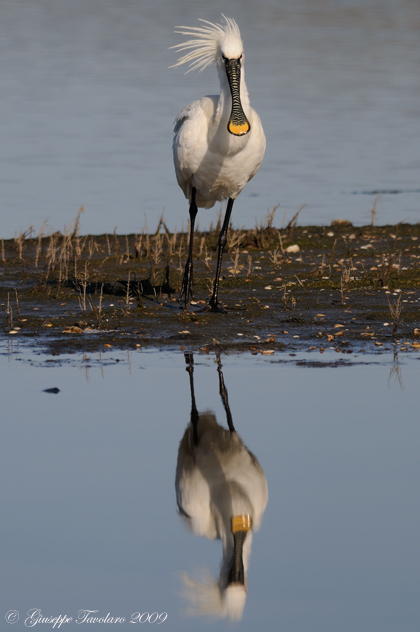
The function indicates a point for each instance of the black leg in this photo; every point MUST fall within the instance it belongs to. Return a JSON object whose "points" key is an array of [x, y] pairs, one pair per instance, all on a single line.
{"points": [[224, 395], [214, 303], [187, 291], [189, 359]]}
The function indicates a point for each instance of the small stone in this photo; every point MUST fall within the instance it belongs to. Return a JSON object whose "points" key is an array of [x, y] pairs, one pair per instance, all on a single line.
{"points": [[293, 248], [341, 222], [268, 351], [72, 330]]}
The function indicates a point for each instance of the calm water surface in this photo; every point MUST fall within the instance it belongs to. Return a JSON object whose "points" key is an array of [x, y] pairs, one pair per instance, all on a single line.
{"points": [[88, 499], [88, 103]]}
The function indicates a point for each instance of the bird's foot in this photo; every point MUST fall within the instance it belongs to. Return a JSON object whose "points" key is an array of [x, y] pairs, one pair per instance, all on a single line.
{"points": [[213, 306]]}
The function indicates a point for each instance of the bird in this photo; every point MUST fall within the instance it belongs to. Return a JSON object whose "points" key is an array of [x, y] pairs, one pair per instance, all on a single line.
{"points": [[219, 141], [222, 493]]}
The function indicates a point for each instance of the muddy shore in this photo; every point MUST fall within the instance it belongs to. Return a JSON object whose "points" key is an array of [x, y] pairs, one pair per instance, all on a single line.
{"points": [[352, 289]]}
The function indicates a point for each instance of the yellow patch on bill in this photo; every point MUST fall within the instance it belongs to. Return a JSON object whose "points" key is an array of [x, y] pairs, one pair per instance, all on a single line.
{"points": [[239, 130], [241, 523]]}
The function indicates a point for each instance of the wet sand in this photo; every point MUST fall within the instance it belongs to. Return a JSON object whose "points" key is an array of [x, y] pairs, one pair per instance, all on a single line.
{"points": [[352, 289]]}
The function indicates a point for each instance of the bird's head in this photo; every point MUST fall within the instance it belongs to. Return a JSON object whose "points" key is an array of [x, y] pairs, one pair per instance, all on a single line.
{"points": [[230, 45]]}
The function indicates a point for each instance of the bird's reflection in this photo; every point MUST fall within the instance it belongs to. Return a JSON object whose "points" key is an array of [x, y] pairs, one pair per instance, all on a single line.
{"points": [[395, 373], [221, 493]]}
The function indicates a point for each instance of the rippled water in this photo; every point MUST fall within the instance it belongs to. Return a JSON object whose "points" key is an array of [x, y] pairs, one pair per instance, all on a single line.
{"points": [[88, 104], [88, 497]]}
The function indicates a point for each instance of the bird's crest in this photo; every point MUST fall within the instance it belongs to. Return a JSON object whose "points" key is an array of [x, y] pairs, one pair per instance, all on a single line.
{"points": [[206, 42]]}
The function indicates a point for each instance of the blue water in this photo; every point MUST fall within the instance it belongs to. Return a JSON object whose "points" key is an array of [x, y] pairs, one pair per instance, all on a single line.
{"points": [[88, 103], [88, 501]]}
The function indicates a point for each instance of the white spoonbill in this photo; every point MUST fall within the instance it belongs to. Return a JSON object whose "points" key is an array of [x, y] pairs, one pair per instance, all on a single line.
{"points": [[221, 493], [219, 141]]}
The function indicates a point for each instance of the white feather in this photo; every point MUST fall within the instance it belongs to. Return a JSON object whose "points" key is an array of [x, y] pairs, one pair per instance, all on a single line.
{"points": [[208, 40]]}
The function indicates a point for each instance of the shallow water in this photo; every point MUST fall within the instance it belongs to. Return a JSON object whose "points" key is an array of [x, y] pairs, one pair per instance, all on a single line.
{"points": [[88, 103], [88, 498]]}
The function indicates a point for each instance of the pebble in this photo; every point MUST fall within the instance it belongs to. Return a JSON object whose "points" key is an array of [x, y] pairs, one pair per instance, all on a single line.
{"points": [[341, 222]]}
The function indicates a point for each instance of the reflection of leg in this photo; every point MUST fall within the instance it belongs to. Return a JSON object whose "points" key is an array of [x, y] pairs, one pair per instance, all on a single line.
{"points": [[187, 282], [224, 395], [189, 359], [214, 303]]}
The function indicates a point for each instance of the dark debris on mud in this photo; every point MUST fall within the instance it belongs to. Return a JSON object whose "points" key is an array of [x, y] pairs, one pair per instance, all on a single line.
{"points": [[293, 289]]}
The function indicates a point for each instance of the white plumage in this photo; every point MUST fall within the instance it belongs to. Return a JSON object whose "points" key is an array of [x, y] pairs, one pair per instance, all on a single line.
{"points": [[218, 479], [219, 141]]}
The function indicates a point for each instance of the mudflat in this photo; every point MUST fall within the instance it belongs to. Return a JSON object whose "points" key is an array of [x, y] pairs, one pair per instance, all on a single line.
{"points": [[353, 289]]}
